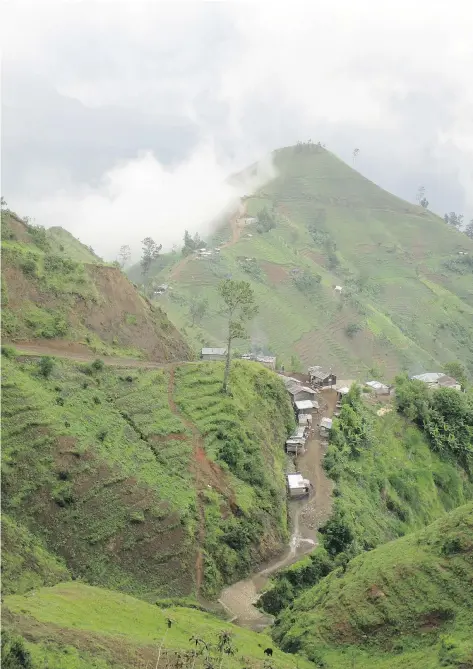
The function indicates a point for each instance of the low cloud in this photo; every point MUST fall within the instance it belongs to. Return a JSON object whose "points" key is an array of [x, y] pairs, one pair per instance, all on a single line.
{"points": [[141, 198]]}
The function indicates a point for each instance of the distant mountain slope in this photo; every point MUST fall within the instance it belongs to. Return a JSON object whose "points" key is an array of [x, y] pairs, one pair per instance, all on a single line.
{"points": [[406, 277], [407, 604], [53, 287]]}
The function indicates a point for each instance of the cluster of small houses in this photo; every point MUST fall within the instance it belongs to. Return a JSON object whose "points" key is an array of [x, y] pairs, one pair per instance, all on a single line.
{"points": [[305, 403]]}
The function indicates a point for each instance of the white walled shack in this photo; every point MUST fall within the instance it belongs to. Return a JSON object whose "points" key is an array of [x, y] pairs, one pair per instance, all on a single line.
{"points": [[213, 353], [325, 426], [297, 485], [305, 419]]}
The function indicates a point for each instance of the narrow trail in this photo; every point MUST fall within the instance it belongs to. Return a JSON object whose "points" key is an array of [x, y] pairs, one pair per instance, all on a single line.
{"points": [[306, 516], [197, 445]]}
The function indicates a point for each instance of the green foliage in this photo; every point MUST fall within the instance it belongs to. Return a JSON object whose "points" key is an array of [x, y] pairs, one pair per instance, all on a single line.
{"points": [[46, 366], [266, 221], [97, 365], [352, 329], [239, 308], [150, 253], [197, 309], [306, 282], [445, 415], [457, 370], [14, 653], [406, 603], [337, 533], [192, 244], [9, 352]]}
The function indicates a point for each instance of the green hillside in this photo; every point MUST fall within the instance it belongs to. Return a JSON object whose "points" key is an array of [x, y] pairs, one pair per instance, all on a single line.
{"points": [[123, 473], [407, 292], [75, 626], [54, 289], [408, 603]]}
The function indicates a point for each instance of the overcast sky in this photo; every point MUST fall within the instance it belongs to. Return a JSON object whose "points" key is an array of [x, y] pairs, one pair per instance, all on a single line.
{"points": [[122, 119]]}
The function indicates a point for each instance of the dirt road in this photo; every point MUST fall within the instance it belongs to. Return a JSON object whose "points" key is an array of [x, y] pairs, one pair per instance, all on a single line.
{"points": [[306, 516]]}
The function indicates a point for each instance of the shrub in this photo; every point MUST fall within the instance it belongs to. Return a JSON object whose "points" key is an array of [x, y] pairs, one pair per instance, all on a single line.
{"points": [[28, 267], [352, 329], [102, 435], [97, 365], [8, 351], [46, 366], [338, 535]]}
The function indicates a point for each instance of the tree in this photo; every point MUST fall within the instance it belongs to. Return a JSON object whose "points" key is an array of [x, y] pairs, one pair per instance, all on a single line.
{"points": [[457, 371], [46, 366], [355, 154], [150, 252], [198, 309], [3, 203], [239, 308], [456, 220], [124, 255], [469, 229]]}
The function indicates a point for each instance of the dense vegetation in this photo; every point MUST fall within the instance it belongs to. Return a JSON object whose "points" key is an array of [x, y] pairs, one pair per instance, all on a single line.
{"points": [[406, 302], [445, 415], [405, 604]]}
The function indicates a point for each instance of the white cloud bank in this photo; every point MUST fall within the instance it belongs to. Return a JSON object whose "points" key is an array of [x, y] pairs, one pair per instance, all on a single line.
{"points": [[141, 198]]}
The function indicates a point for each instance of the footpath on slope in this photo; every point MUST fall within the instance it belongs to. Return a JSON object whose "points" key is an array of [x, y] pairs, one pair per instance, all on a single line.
{"points": [[306, 516], [80, 353]]}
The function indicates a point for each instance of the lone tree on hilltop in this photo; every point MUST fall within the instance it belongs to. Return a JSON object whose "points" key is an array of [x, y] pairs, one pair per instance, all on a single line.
{"points": [[355, 155], [420, 197], [239, 308], [124, 255], [150, 252]]}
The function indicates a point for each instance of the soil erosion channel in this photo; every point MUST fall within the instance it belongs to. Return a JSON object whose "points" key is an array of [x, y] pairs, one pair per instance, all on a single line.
{"points": [[306, 516]]}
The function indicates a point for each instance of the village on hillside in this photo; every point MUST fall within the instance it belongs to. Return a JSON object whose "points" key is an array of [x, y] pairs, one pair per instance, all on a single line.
{"points": [[316, 398]]}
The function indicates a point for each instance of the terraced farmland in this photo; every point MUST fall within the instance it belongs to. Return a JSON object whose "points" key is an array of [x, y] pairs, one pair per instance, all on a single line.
{"points": [[407, 299]]}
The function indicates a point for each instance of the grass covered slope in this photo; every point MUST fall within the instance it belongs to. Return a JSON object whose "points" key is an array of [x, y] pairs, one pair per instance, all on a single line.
{"points": [[113, 470], [407, 300], [54, 288], [408, 603], [75, 626]]}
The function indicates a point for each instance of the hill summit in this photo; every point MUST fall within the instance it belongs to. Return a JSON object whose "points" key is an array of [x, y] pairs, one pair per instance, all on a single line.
{"points": [[346, 274]]}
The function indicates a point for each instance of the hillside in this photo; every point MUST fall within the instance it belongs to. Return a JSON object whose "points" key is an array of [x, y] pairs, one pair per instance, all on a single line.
{"points": [[126, 475], [405, 604], [75, 626], [56, 292], [407, 292]]}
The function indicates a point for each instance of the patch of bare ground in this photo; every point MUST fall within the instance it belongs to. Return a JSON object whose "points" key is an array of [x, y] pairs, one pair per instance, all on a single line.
{"points": [[275, 273]]}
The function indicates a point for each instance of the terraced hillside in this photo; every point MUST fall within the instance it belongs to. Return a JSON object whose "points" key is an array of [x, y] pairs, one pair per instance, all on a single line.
{"points": [[405, 604], [144, 481], [54, 289], [407, 284]]}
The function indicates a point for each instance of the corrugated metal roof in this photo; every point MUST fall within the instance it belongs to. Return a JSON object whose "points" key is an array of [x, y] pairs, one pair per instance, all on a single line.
{"points": [[302, 405], [295, 481], [327, 423], [376, 385], [214, 351], [448, 382]]}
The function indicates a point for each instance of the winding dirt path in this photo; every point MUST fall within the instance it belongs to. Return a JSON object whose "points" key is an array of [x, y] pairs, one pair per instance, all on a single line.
{"points": [[306, 516]]}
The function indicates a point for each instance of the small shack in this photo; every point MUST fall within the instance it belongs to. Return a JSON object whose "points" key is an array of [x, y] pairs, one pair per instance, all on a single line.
{"points": [[378, 388], [295, 446], [325, 426], [320, 378], [268, 361], [297, 485], [305, 419], [300, 393], [438, 380], [213, 353], [303, 406]]}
